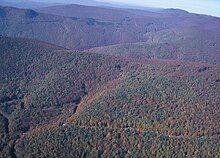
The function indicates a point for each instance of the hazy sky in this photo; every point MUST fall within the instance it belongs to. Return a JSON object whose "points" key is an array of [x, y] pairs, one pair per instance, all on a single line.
{"points": [[209, 7]]}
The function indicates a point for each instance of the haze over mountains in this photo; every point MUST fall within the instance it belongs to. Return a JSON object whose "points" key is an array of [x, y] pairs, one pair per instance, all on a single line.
{"points": [[25, 3], [42, 3], [91, 81]]}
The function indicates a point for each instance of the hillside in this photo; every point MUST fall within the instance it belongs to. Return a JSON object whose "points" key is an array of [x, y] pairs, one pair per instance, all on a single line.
{"points": [[95, 12], [14, 64], [186, 45], [36, 4], [40, 81], [89, 81], [61, 96], [155, 109], [109, 26], [60, 30]]}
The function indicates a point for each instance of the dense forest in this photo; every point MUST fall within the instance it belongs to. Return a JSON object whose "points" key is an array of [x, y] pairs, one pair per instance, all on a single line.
{"points": [[85, 81], [99, 105]]}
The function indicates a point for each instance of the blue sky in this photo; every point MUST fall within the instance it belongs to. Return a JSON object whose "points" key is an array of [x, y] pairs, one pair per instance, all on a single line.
{"points": [[209, 7]]}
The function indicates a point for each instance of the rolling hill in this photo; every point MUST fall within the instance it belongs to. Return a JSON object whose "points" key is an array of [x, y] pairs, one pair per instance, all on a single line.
{"points": [[95, 12], [36, 4], [192, 34], [81, 102], [64, 31], [188, 44], [85, 81], [40, 81], [151, 112]]}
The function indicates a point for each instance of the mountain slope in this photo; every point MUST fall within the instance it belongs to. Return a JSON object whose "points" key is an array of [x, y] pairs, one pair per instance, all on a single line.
{"points": [[26, 52], [96, 12], [65, 31], [146, 86], [130, 27], [169, 108], [57, 90], [187, 45], [40, 82], [79, 2]]}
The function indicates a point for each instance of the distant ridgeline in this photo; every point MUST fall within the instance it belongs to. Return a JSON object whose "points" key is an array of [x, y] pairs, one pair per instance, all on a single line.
{"points": [[164, 34]]}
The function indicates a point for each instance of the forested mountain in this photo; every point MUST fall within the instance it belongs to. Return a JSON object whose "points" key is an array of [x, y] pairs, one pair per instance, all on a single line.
{"points": [[188, 45], [50, 89], [36, 4], [82, 81], [90, 27], [96, 12], [28, 66], [65, 31]]}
